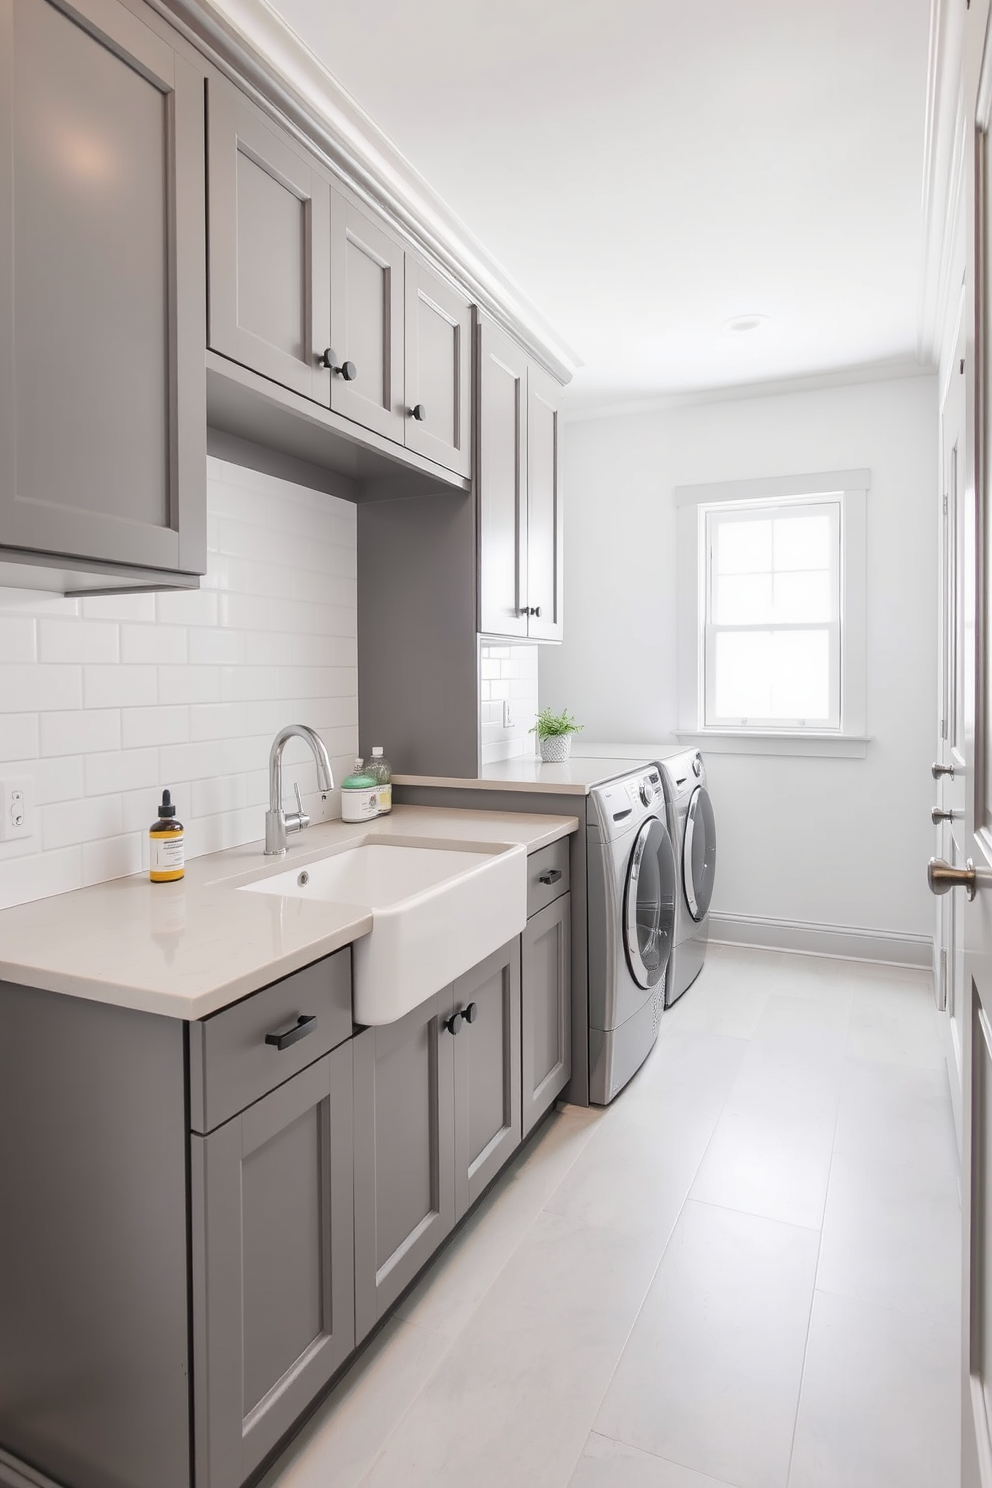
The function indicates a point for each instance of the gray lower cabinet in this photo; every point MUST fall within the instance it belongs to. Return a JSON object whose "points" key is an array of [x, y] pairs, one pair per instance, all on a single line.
{"points": [[487, 1072], [273, 1277], [102, 381], [404, 1159], [546, 1008]]}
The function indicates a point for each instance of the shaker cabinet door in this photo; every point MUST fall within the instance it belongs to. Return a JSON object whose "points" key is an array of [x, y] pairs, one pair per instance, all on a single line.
{"points": [[269, 247], [487, 1072], [404, 1171], [366, 321], [102, 383], [502, 482], [273, 1265], [543, 507], [546, 1008], [438, 369]]}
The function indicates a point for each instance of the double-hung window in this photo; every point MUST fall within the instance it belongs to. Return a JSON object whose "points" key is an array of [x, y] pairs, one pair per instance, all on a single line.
{"points": [[772, 613]]}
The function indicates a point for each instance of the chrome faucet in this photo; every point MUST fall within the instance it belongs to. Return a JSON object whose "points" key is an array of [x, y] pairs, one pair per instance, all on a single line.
{"points": [[277, 821]]}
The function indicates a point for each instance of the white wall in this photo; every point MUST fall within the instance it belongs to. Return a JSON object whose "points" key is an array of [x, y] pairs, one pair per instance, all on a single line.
{"points": [[820, 841], [107, 700]]}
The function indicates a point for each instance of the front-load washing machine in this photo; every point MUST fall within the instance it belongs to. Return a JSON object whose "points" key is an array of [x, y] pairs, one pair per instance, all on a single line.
{"points": [[693, 830], [632, 889]]}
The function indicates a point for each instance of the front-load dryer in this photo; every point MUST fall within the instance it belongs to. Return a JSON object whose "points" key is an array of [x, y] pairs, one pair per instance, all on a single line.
{"points": [[693, 830], [632, 884]]}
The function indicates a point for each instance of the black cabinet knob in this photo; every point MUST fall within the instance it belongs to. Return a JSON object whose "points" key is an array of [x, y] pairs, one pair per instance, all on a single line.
{"points": [[453, 1023], [347, 370], [471, 1012], [419, 412], [533, 610]]}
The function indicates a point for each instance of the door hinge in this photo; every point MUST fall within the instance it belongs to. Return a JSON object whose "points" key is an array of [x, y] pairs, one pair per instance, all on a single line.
{"points": [[945, 503]]}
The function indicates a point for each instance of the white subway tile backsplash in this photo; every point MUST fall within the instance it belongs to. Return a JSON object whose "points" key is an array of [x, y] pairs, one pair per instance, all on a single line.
{"points": [[105, 700], [162, 725], [153, 643], [507, 674], [67, 640], [28, 688], [80, 731], [18, 638], [119, 686]]}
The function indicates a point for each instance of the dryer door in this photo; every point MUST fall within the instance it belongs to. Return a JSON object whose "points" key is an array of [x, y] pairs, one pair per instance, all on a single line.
{"points": [[699, 854], [649, 903]]}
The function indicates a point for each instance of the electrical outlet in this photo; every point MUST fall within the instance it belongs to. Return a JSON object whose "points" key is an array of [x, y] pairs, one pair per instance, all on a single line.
{"points": [[507, 714], [16, 814]]}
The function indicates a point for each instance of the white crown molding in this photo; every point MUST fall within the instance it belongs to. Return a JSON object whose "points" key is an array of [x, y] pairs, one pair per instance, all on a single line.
{"points": [[891, 371], [250, 42], [943, 179]]}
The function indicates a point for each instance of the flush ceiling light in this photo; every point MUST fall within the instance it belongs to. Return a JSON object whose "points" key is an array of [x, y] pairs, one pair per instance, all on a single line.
{"points": [[745, 323]]}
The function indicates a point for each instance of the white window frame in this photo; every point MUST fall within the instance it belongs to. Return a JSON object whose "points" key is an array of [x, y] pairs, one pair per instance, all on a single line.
{"points": [[844, 736]]}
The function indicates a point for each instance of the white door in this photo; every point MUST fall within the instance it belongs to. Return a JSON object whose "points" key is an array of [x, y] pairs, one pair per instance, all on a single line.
{"points": [[972, 835], [957, 556]]}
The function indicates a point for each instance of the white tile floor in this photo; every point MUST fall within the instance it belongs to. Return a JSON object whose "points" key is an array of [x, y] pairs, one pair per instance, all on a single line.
{"points": [[743, 1274]]}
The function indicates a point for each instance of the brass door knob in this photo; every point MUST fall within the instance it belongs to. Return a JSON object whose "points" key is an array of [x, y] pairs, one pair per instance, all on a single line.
{"points": [[941, 877]]}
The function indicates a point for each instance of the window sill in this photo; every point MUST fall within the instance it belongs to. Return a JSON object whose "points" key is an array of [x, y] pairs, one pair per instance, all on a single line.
{"points": [[740, 741]]}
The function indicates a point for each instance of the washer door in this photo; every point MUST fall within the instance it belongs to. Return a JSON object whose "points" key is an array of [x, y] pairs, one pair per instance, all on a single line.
{"points": [[699, 853], [649, 903]]}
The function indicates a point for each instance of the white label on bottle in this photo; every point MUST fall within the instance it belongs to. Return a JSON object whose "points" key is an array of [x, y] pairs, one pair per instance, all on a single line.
{"points": [[360, 805], [165, 853]]}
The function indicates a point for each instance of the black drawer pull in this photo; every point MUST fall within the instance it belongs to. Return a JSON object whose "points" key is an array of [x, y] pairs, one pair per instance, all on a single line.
{"points": [[552, 876], [304, 1024]]}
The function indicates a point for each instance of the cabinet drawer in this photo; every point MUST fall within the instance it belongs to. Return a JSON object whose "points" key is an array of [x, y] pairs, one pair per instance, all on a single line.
{"points": [[547, 875], [231, 1065]]}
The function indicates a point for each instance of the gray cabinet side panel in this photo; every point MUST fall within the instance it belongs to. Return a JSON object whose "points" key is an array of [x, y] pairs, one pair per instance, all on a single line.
{"points": [[546, 1008], [418, 683], [94, 1359]]}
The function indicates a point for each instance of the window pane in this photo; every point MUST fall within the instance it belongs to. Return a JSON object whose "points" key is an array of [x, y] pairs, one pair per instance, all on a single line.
{"points": [[800, 668], [802, 542], [801, 597], [743, 674], [743, 547], [743, 599]]}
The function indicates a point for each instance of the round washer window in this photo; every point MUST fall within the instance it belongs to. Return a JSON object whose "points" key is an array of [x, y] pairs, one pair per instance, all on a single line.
{"points": [[649, 903], [699, 854]]}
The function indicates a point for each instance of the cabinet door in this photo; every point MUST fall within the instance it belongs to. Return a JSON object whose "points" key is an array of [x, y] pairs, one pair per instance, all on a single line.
{"points": [[273, 1277], [438, 369], [366, 321], [546, 1008], [543, 507], [502, 476], [102, 383], [269, 247], [487, 1072], [404, 1169]]}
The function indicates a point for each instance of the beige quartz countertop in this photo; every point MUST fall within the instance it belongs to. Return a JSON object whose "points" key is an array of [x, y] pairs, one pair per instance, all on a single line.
{"points": [[189, 948], [529, 773]]}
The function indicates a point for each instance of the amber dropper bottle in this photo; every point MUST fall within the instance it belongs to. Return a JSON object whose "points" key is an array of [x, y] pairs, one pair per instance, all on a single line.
{"points": [[166, 857]]}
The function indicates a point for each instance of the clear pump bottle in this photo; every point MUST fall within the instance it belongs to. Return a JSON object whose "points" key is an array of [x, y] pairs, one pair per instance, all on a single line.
{"points": [[379, 767]]}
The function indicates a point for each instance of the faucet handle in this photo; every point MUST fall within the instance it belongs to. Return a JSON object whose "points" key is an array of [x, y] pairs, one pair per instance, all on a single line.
{"points": [[299, 799], [298, 819]]}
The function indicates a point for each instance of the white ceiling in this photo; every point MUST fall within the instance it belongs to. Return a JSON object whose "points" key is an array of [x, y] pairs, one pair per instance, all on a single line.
{"points": [[649, 169]]}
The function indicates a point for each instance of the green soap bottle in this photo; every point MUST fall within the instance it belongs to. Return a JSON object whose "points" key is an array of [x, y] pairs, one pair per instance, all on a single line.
{"points": [[359, 795]]}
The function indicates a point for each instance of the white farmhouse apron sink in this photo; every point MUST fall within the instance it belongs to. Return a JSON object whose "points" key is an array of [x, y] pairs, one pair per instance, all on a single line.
{"points": [[437, 911]]}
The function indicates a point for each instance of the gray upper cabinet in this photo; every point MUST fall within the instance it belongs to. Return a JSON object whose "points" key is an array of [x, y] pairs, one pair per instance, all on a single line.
{"points": [[519, 492], [543, 506], [366, 267], [404, 1166], [269, 221], [102, 384], [273, 1278], [487, 1071], [546, 1008], [438, 352], [502, 469]]}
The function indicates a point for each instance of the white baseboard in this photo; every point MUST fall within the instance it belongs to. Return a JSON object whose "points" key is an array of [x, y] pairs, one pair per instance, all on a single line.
{"points": [[844, 941]]}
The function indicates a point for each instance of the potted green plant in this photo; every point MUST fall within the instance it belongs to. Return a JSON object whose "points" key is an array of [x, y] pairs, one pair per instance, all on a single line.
{"points": [[554, 732]]}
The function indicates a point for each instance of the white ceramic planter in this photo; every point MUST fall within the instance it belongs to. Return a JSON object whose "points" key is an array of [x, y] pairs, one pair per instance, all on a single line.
{"points": [[556, 749]]}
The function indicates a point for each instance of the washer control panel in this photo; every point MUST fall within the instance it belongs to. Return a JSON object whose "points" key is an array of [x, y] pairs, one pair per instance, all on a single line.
{"points": [[623, 803]]}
